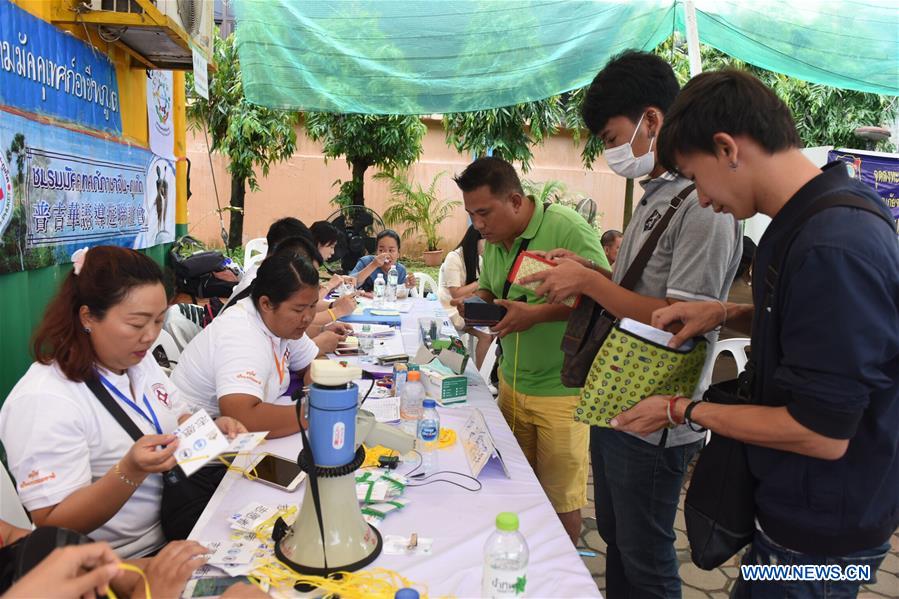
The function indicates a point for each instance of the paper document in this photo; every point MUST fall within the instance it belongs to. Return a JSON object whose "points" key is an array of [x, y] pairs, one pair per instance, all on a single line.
{"points": [[652, 334]]}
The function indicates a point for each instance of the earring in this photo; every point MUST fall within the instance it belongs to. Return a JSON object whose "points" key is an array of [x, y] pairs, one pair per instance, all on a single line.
{"points": [[87, 330]]}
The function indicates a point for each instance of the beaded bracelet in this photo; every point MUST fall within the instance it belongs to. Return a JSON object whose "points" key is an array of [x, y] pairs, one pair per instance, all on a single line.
{"points": [[124, 478]]}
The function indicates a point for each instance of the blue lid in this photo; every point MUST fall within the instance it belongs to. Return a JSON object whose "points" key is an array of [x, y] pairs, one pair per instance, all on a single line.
{"points": [[406, 593], [429, 403]]}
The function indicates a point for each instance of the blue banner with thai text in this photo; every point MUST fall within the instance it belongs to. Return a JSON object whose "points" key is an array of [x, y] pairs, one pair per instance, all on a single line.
{"points": [[61, 190], [876, 169], [46, 71]]}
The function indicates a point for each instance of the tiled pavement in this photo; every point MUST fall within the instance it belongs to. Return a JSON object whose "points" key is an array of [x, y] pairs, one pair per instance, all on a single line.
{"points": [[715, 584]]}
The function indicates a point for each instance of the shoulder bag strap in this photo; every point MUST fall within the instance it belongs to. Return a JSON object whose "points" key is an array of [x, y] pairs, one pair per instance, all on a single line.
{"points": [[521, 248], [635, 270], [113, 407], [782, 249]]}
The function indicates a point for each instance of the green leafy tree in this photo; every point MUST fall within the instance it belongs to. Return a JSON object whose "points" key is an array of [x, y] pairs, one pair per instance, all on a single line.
{"points": [[511, 132], [388, 142], [419, 209], [824, 115], [251, 136]]}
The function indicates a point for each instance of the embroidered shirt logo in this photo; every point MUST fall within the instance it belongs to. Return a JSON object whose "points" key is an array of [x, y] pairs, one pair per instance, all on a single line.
{"points": [[249, 375], [35, 478], [652, 220], [162, 395]]}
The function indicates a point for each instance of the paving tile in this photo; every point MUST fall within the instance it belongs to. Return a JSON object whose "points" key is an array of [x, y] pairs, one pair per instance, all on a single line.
{"points": [[887, 584], [689, 592], [711, 580], [890, 564]]}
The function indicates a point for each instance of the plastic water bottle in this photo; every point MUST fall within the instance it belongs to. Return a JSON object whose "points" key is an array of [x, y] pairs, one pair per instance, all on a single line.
{"points": [[366, 343], [393, 277], [379, 290], [411, 399], [505, 559], [428, 434]]}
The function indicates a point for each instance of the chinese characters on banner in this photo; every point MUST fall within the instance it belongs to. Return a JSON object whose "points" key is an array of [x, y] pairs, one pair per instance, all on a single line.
{"points": [[70, 190]]}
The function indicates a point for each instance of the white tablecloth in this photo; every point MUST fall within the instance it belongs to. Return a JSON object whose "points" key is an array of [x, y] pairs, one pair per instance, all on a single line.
{"points": [[458, 521]]}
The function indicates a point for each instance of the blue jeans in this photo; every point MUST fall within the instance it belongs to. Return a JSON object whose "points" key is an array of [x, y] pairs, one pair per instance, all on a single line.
{"points": [[636, 487], [764, 551]]}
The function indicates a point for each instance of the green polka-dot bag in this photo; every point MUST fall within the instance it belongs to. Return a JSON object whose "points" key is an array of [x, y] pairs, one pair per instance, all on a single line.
{"points": [[628, 368]]}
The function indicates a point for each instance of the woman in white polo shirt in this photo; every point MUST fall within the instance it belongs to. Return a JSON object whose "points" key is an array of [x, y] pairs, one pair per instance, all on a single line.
{"points": [[75, 466], [240, 364]]}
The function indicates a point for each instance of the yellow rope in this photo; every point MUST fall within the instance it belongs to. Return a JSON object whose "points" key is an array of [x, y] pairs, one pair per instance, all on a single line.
{"points": [[136, 570]]}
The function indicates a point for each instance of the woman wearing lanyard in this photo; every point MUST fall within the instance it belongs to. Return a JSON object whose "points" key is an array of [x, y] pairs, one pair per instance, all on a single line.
{"points": [[76, 467], [240, 364]]}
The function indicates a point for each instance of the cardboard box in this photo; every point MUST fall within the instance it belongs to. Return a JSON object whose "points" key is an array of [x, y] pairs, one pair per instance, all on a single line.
{"points": [[445, 389]]}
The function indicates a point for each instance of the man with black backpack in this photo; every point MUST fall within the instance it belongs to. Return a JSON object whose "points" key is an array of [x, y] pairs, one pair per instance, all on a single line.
{"points": [[821, 428]]}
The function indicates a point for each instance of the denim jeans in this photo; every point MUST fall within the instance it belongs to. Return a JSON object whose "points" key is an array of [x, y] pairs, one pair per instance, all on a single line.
{"points": [[764, 551], [636, 488]]}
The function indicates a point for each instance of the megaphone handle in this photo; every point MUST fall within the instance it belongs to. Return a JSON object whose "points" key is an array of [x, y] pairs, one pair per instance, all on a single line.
{"points": [[313, 481]]}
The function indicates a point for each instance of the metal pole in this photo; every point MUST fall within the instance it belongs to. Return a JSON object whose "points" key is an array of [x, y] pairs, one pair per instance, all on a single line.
{"points": [[692, 38]]}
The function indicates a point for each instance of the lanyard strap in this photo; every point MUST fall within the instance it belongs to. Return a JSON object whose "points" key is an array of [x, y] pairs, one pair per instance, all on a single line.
{"points": [[154, 421], [280, 365]]}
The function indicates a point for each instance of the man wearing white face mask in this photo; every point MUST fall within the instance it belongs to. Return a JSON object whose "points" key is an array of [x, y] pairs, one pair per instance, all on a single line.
{"points": [[637, 479]]}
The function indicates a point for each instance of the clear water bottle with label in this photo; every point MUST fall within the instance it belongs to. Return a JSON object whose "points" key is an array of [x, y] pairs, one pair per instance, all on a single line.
{"points": [[366, 344], [393, 277], [505, 560], [411, 398], [428, 434], [380, 290]]}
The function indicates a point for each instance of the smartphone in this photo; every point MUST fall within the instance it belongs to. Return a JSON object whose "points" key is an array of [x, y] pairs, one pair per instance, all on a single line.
{"points": [[347, 351], [393, 359], [278, 472], [212, 587]]}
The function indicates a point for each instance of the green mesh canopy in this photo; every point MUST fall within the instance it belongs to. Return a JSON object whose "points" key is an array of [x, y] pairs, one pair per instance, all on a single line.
{"points": [[431, 56]]}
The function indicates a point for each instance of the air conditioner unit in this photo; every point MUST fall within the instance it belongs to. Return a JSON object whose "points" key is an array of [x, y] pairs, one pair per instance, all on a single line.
{"points": [[195, 17], [117, 5]]}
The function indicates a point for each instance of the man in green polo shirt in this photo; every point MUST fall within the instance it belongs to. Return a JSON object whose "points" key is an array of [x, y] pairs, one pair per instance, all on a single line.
{"points": [[535, 403]]}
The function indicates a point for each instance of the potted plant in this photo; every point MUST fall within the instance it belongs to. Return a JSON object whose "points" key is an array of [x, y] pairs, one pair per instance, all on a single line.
{"points": [[419, 209]]}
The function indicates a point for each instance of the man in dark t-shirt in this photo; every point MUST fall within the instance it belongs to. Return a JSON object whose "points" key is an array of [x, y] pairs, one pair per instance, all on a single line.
{"points": [[822, 427]]}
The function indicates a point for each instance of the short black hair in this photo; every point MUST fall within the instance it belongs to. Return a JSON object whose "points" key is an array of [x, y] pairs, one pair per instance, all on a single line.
{"points": [[729, 101], [630, 83], [281, 275], [324, 233], [298, 245], [609, 237], [497, 174], [283, 228], [389, 233]]}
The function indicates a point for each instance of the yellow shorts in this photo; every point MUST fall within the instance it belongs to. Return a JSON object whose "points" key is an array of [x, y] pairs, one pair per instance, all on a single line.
{"points": [[555, 445]]}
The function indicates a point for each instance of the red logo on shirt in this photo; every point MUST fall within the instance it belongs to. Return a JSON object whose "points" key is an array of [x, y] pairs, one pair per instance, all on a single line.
{"points": [[35, 478], [162, 395]]}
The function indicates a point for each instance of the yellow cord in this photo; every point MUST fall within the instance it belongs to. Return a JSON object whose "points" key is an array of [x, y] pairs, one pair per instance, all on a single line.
{"points": [[378, 583], [136, 570]]}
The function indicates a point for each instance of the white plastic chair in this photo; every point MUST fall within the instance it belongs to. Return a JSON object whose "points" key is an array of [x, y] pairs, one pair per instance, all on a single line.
{"points": [[735, 347], [254, 247], [252, 261], [170, 346], [425, 280], [11, 509]]}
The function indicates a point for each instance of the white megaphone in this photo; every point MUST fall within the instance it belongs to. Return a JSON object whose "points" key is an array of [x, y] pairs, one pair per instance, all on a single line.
{"points": [[330, 535]]}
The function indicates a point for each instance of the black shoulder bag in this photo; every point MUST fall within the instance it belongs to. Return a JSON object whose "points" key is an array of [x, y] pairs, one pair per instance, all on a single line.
{"points": [[719, 509], [183, 499], [20, 557], [590, 323]]}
